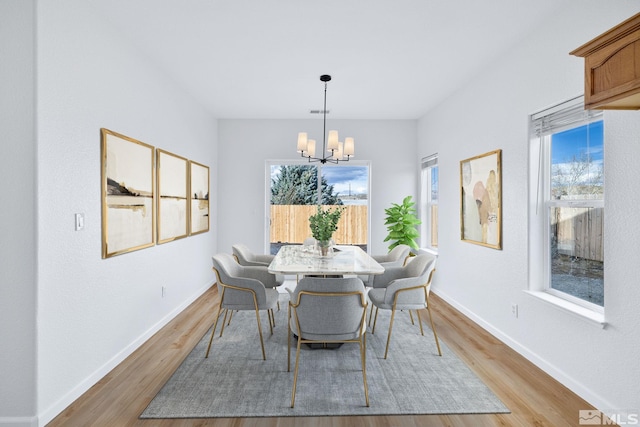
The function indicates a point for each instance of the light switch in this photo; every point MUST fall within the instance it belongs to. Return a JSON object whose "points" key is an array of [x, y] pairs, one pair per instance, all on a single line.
{"points": [[79, 221]]}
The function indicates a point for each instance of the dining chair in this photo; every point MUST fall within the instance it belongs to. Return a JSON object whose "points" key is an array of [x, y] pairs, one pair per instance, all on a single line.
{"points": [[243, 288], [405, 288], [245, 256], [397, 257], [327, 311]]}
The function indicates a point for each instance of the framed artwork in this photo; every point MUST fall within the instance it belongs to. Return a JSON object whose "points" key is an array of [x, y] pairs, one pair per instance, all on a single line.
{"points": [[199, 197], [128, 197], [173, 206], [481, 199]]}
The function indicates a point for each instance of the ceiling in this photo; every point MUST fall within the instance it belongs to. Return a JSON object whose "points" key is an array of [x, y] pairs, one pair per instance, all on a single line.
{"points": [[263, 58]]}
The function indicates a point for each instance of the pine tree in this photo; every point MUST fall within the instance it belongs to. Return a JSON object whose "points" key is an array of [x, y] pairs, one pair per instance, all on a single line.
{"points": [[298, 185]]}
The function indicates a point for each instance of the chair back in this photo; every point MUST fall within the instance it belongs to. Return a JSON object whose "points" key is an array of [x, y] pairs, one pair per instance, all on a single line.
{"points": [[229, 274], [396, 257], [243, 254], [330, 309], [419, 276]]}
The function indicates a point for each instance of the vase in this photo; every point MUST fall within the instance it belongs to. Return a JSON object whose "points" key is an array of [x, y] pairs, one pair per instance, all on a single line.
{"points": [[324, 247]]}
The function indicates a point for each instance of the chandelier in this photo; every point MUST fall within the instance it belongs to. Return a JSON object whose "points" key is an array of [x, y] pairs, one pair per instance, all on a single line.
{"points": [[333, 150]]}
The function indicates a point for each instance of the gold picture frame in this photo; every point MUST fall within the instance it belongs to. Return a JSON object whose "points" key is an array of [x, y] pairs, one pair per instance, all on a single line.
{"points": [[198, 198], [128, 194], [173, 196], [481, 199]]}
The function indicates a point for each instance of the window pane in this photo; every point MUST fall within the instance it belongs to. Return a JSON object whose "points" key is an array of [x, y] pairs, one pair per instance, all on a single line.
{"points": [[434, 184], [350, 185], [577, 163], [576, 249]]}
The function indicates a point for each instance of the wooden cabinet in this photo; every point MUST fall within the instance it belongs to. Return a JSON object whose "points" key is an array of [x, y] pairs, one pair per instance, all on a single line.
{"points": [[612, 68]]}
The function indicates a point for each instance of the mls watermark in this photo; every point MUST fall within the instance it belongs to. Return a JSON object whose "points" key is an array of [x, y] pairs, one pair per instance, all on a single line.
{"points": [[594, 417]]}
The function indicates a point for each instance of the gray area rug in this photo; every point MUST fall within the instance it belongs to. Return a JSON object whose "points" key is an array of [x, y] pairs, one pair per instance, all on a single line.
{"points": [[235, 382]]}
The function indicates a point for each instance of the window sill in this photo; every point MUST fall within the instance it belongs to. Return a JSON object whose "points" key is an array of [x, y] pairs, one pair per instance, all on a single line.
{"points": [[574, 309]]}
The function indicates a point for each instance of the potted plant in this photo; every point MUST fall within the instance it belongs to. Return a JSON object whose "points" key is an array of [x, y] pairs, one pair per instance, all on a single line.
{"points": [[323, 224], [401, 221]]}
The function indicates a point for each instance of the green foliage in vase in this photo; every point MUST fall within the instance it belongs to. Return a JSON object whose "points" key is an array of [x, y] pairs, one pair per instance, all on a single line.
{"points": [[325, 222], [401, 222]]}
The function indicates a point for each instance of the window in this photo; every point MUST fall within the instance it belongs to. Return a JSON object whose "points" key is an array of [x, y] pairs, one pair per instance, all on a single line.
{"points": [[294, 191], [429, 202], [569, 192]]}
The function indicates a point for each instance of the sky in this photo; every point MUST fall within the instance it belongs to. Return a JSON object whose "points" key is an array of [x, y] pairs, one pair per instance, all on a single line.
{"points": [[343, 176], [584, 139]]}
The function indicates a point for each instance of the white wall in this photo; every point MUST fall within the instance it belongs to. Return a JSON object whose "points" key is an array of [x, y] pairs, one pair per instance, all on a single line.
{"points": [[390, 146], [93, 312], [491, 112], [18, 224]]}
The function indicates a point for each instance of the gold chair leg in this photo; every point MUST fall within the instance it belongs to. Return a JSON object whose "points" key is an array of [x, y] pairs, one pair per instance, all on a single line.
{"points": [[264, 355], [224, 321], [433, 328], [269, 316], [370, 314], [213, 332], [420, 322], [411, 316], [289, 339], [363, 355], [393, 313], [375, 320], [295, 374], [230, 316]]}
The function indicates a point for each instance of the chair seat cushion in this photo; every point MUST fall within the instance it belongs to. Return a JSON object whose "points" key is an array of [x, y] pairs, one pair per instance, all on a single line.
{"points": [[271, 294], [377, 298]]}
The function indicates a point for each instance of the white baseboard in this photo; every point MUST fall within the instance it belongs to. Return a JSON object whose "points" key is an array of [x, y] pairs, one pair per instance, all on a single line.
{"points": [[19, 421], [50, 413], [558, 374]]}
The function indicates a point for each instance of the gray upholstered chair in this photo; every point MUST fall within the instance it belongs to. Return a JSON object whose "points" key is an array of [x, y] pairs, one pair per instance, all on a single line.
{"points": [[328, 311], [397, 257], [405, 288], [245, 256], [243, 288]]}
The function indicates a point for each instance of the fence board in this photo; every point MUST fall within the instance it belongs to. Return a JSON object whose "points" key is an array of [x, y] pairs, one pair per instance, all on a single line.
{"points": [[290, 224]]}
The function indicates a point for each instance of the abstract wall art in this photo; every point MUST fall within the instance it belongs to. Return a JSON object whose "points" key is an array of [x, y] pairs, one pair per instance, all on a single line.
{"points": [[481, 199], [173, 195], [128, 197], [199, 197]]}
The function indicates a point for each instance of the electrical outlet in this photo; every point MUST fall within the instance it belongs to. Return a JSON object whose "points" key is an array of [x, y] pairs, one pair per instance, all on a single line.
{"points": [[164, 291], [514, 310]]}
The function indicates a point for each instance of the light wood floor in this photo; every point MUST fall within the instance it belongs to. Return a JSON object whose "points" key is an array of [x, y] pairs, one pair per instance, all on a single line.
{"points": [[534, 398]]}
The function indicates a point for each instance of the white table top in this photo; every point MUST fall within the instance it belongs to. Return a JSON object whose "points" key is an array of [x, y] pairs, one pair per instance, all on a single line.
{"points": [[299, 259]]}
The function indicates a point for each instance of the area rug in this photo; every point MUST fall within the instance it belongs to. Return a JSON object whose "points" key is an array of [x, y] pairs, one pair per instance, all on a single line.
{"points": [[235, 382]]}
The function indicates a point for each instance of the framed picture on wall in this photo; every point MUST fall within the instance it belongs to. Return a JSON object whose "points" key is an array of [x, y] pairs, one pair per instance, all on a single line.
{"points": [[128, 197], [173, 206], [481, 199], [199, 197]]}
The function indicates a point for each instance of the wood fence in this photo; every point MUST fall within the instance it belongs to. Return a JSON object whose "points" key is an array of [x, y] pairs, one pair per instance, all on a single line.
{"points": [[580, 232], [290, 224]]}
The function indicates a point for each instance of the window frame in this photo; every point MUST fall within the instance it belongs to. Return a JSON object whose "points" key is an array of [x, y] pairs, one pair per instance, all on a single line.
{"points": [[427, 165], [541, 204]]}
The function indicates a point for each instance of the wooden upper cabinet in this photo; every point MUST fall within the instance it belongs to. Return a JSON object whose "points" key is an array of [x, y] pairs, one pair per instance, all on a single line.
{"points": [[612, 68]]}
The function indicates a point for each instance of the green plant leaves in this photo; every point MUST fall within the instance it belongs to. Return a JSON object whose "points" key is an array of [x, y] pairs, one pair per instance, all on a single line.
{"points": [[325, 222], [401, 222]]}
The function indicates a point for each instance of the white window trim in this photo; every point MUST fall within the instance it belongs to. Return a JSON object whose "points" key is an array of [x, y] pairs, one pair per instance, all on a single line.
{"points": [[425, 202], [538, 220]]}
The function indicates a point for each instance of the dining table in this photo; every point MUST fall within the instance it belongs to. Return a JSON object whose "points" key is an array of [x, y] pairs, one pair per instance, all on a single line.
{"points": [[306, 260]]}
